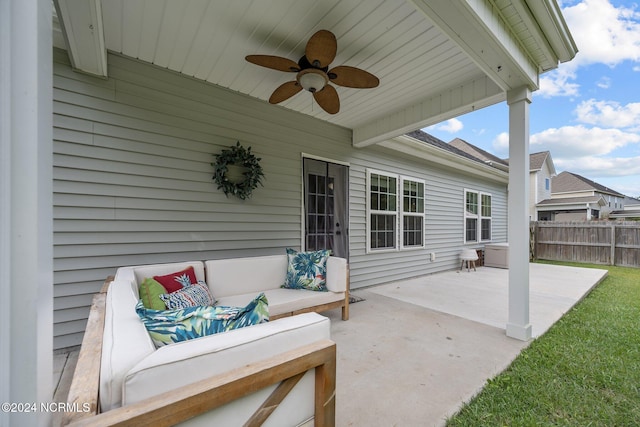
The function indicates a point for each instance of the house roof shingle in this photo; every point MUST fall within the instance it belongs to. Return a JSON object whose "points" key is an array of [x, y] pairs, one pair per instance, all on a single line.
{"points": [[569, 200], [478, 152], [432, 140], [536, 160], [567, 182]]}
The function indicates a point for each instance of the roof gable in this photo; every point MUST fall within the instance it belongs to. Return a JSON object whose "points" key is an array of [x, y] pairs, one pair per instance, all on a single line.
{"points": [[537, 160]]}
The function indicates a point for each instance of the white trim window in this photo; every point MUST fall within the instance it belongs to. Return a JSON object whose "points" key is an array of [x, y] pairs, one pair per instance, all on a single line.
{"points": [[395, 212], [477, 216], [412, 212], [382, 206]]}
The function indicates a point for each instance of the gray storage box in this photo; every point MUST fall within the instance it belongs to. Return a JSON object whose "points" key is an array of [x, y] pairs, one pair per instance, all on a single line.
{"points": [[496, 255]]}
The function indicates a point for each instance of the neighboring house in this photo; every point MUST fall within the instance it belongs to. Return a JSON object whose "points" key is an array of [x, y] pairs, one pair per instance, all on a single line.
{"points": [[630, 211], [576, 198], [541, 173], [541, 170], [107, 142]]}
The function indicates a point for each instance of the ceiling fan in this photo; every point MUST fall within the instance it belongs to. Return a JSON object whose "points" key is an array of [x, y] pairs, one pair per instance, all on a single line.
{"points": [[313, 73]]}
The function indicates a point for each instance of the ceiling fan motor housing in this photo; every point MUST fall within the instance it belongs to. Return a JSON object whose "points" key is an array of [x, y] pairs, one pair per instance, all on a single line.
{"points": [[312, 79]]}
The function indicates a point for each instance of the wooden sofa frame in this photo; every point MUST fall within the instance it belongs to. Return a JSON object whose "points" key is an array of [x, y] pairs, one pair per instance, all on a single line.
{"points": [[189, 401]]}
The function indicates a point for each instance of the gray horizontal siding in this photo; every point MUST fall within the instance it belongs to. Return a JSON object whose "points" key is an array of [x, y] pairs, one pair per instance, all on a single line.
{"points": [[133, 177], [444, 214], [133, 183]]}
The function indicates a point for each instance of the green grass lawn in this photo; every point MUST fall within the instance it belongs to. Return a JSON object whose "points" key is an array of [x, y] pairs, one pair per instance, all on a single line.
{"points": [[585, 371]]}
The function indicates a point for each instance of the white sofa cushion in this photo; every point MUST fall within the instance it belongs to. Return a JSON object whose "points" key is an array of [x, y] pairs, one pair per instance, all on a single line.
{"points": [[337, 274], [185, 363], [233, 281], [228, 277], [125, 339], [285, 300]]}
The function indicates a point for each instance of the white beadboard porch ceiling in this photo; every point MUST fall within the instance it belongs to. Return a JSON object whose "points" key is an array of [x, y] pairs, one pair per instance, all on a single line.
{"points": [[435, 59]]}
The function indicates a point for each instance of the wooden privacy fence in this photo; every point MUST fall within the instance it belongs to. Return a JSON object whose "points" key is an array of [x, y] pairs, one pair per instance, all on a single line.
{"points": [[611, 243]]}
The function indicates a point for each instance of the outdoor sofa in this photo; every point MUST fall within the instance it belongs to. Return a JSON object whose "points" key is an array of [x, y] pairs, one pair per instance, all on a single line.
{"points": [[281, 372]]}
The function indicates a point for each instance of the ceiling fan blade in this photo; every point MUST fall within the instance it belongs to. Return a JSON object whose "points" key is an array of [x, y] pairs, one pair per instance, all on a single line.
{"points": [[284, 92], [352, 77], [274, 62], [321, 49], [327, 98]]}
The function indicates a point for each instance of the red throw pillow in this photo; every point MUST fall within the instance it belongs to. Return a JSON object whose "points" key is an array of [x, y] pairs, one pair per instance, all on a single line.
{"points": [[178, 280]]}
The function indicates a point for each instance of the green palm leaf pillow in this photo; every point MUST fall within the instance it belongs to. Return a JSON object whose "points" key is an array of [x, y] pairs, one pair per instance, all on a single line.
{"points": [[307, 270], [171, 326]]}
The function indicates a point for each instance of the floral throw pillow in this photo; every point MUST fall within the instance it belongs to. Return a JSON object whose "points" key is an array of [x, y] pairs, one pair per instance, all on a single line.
{"points": [[191, 296], [171, 326], [307, 270]]}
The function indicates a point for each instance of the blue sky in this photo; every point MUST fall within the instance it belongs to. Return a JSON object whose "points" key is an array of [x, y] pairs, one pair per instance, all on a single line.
{"points": [[587, 112]]}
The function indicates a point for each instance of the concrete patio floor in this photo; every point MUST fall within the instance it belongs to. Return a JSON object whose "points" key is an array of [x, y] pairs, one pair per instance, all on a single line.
{"points": [[415, 350]]}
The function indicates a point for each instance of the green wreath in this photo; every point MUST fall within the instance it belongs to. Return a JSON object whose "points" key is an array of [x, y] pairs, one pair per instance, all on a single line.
{"points": [[239, 156]]}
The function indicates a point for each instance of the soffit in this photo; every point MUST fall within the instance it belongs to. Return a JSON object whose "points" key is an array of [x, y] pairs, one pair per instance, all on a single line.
{"points": [[435, 60]]}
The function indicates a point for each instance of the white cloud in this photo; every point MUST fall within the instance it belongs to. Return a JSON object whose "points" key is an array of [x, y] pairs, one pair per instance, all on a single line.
{"points": [[572, 142], [625, 186], [558, 82], [609, 113], [451, 126], [604, 83], [600, 167], [501, 145], [604, 34]]}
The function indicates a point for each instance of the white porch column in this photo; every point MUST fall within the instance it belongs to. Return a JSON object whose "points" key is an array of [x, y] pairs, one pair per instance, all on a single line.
{"points": [[518, 325], [26, 242]]}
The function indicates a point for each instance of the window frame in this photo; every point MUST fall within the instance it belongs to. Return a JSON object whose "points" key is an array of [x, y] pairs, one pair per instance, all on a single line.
{"points": [[479, 216], [404, 213], [370, 212], [399, 214]]}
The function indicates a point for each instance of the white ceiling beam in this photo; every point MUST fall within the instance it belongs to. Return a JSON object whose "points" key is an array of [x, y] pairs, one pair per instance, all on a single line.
{"points": [[482, 33], [81, 24], [449, 103]]}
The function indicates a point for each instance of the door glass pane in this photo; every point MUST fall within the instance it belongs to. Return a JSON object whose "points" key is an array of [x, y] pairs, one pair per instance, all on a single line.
{"points": [[326, 196]]}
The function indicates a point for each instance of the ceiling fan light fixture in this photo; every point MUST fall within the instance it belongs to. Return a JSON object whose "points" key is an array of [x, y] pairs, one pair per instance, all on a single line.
{"points": [[312, 80]]}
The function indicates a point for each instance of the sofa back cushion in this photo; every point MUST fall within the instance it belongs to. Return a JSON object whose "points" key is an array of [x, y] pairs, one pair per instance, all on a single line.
{"points": [[135, 275], [337, 274], [144, 271], [235, 276]]}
